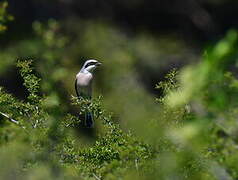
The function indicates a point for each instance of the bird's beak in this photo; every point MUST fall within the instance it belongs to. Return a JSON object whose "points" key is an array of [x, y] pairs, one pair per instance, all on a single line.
{"points": [[98, 64]]}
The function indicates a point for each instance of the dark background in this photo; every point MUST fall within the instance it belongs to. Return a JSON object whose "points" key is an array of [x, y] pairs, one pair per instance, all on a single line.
{"points": [[193, 20]]}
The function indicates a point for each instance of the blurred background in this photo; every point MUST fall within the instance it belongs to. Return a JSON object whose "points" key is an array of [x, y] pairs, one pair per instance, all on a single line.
{"points": [[137, 41]]}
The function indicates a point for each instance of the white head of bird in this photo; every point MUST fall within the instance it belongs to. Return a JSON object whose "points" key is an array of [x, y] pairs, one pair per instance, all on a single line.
{"points": [[90, 65]]}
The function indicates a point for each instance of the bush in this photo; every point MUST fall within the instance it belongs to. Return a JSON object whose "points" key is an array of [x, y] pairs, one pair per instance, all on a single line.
{"points": [[50, 142]]}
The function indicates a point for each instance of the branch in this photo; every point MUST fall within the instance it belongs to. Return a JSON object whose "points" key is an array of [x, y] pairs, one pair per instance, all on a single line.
{"points": [[136, 163], [96, 177], [9, 118]]}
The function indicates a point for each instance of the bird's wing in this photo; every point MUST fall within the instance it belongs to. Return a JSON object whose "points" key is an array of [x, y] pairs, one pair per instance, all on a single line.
{"points": [[76, 88]]}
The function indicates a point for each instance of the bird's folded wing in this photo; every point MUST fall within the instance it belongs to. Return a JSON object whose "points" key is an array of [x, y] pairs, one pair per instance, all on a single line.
{"points": [[76, 88]]}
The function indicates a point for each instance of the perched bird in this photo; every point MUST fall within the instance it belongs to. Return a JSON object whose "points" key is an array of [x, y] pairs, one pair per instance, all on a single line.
{"points": [[83, 86]]}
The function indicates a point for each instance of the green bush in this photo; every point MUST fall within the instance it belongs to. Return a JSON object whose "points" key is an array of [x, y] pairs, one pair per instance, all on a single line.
{"points": [[50, 142]]}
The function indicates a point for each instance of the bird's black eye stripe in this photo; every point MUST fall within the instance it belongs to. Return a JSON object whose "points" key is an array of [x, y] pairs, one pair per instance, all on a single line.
{"points": [[89, 64]]}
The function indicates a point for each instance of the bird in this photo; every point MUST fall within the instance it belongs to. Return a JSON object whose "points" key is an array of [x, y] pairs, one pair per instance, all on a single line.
{"points": [[83, 86]]}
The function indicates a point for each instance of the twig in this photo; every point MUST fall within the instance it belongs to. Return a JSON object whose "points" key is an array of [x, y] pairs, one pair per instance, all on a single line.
{"points": [[9, 118], [96, 177], [136, 160]]}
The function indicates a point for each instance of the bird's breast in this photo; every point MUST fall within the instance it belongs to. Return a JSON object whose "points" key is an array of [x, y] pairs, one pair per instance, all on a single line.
{"points": [[84, 79]]}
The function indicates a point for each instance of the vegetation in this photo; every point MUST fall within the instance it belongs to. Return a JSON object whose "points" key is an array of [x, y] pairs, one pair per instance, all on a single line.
{"points": [[189, 131], [191, 139], [4, 16]]}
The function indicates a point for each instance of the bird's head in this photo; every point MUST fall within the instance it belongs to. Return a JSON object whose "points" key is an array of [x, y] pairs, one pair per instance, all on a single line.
{"points": [[90, 65]]}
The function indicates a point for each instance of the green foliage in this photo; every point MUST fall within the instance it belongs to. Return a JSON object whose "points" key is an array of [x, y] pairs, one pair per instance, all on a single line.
{"points": [[207, 93], [190, 132], [31, 82], [4, 16], [52, 143]]}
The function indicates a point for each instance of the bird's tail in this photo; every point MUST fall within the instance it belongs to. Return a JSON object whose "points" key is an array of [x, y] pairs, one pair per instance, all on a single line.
{"points": [[89, 120]]}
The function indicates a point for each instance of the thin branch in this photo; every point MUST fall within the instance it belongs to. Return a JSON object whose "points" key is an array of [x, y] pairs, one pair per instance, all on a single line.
{"points": [[9, 118], [96, 177], [136, 164]]}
